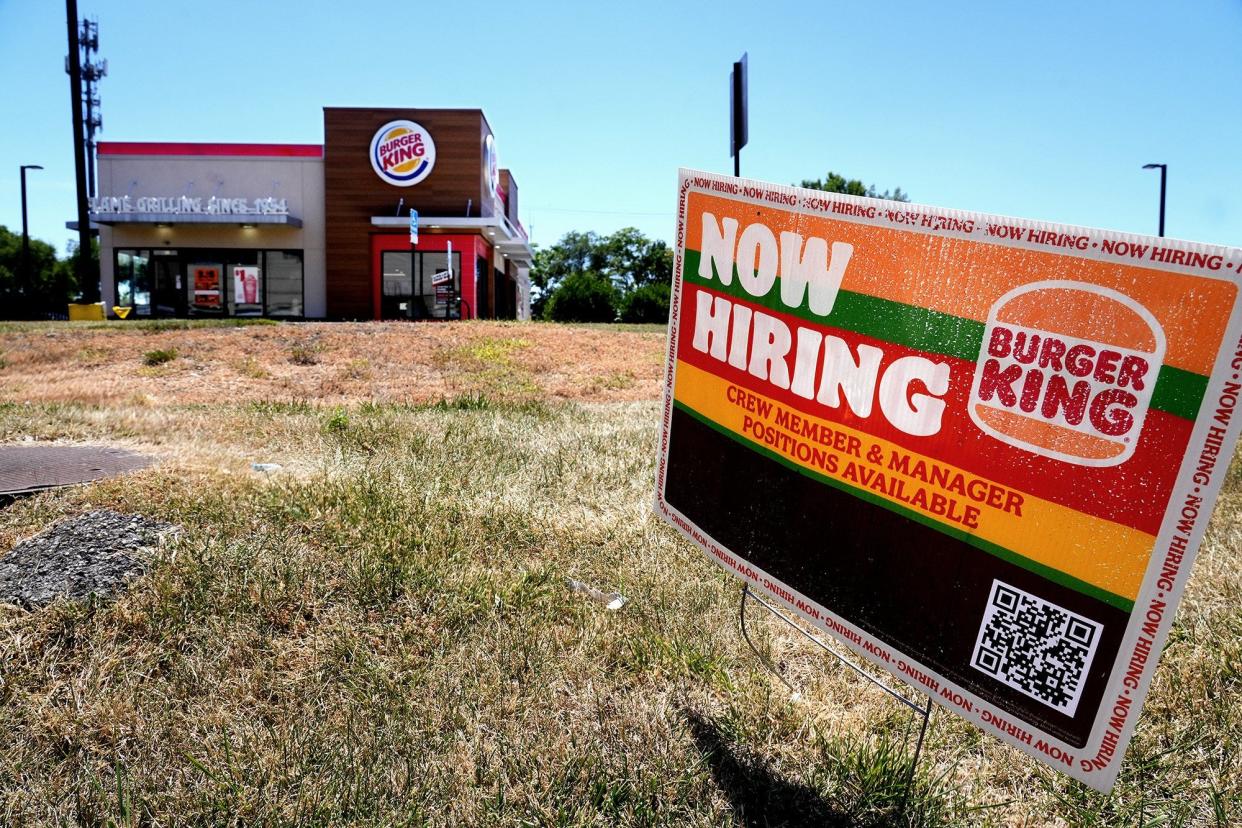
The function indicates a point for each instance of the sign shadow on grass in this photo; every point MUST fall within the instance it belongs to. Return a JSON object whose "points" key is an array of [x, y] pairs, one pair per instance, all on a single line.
{"points": [[758, 795]]}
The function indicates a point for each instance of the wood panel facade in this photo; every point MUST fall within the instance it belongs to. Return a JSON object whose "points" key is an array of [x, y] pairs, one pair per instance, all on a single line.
{"points": [[353, 193], [510, 187]]}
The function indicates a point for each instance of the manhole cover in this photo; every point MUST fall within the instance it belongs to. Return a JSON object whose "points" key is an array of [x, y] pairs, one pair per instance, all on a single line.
{"points": [[25, 469]]}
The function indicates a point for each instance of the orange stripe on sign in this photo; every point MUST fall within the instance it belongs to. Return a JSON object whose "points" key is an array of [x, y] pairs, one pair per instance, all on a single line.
{"points": [[1049, 435], [1099, 552], [964, 277], [1090, 316]]}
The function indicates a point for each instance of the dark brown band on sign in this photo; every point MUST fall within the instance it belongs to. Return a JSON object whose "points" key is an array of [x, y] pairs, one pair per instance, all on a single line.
{"points": [[917, 590]]}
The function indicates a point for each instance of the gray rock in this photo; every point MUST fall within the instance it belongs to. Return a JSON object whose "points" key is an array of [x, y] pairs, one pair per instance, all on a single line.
{"points": [[97, 553]]}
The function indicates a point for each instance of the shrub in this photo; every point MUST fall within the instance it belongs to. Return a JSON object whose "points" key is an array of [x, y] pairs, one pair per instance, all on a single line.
{"points": [[159, 356], [646, 303], [302, 353], [582, 297], [338, 421]]}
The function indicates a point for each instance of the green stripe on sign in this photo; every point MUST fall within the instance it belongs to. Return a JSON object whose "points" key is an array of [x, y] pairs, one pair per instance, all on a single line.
{"points": [[924, 330], [1177, 392], [1055, 575]]}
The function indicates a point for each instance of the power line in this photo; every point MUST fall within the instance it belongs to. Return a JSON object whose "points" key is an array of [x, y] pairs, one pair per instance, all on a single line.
{"points": [[594, 212]]}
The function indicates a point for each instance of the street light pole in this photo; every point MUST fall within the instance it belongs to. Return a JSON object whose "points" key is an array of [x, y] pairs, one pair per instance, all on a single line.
{"points": [[1164, 172], [27, 281]]}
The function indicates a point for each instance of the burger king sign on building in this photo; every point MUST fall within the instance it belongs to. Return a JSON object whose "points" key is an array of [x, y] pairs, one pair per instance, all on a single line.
{"points": [[403, 153]]}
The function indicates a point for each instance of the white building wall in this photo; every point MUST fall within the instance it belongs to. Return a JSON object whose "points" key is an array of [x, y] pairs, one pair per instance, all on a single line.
{"points": [[523, 284], [297, 180]]}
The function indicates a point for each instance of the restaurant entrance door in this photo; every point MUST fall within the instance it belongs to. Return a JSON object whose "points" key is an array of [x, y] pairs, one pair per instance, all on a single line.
{"points": [[168, 295]]}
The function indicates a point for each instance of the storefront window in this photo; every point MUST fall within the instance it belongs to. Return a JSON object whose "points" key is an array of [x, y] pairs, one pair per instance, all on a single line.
{"points": [[247, 283], [482, 271], [440, 284], [206, 286], [397, 285], [419, 285], [243, 282], [284, 283], [133, 280], [211, 282]]}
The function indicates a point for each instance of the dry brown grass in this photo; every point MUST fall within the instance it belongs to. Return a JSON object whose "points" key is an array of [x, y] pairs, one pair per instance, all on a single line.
{"points": [[380, 633], [331, 363]]}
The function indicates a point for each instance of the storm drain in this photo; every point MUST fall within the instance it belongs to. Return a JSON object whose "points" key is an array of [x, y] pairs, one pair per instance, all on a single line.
{"points": [[26, 469], [97, 553]]}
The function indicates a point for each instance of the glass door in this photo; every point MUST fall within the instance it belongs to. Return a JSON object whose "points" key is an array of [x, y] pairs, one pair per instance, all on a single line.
{"points": [[168, 296], [397, 280], [440, 286]]}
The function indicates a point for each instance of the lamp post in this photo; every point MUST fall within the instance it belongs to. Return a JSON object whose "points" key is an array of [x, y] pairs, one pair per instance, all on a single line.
{"points": [[27, 281], [1164, 172]]}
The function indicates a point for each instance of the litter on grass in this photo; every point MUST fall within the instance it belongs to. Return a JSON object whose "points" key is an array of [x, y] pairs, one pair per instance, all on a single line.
{"points": [[610, 600]]}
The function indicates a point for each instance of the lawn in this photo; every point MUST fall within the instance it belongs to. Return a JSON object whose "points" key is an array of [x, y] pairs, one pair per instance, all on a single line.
{"points": [[381, 632]]}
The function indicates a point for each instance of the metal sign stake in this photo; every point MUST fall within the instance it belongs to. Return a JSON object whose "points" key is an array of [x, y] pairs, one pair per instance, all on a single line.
{"points": [[918, 710]]}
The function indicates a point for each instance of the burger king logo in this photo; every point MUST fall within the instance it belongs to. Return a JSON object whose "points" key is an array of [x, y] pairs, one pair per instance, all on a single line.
{"points": [[1066, 370], [493, 166], [402, 153]]}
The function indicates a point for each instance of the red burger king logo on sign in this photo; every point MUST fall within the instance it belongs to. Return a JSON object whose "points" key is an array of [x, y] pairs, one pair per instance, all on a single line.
{"points": [[1066, 370], [402, 153]]}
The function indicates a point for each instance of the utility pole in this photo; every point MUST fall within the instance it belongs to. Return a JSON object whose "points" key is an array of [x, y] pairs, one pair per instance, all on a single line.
{"points": [[92, 72], [88, 280]]}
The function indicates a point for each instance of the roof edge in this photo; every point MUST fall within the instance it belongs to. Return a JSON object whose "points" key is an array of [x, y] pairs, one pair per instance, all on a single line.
{"points": [[210, 149]]}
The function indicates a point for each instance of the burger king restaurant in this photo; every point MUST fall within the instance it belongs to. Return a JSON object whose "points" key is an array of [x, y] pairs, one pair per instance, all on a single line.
{"points": [[398, 214]]}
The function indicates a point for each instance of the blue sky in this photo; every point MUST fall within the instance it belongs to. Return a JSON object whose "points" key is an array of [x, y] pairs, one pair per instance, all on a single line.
{"points": [[1045, 111]]}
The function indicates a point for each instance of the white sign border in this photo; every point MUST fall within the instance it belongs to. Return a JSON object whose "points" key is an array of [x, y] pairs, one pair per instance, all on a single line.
{"points": [[1096, 764]]}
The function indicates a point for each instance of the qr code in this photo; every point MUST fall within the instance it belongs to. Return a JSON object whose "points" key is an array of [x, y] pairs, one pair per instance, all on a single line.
{"points": [[1035, 647]]}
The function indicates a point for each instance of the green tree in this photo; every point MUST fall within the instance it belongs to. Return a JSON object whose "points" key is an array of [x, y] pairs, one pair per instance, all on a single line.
{"points": [[574, 253], [582, 297], [626, 258], [45, 293], [646, 303], [631, 259], [835, 183]]}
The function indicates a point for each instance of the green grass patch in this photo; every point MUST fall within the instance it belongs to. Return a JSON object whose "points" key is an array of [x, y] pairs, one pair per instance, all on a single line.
{"points": [[488, 367], [159, 356]]}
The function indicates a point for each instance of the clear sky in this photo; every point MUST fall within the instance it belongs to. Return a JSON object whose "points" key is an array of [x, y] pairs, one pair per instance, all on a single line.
{"points": [[1044, 111]]}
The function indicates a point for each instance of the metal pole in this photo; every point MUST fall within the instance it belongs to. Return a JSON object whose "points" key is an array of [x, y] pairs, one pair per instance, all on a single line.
{"points": [[24, 282], [90, 166], [738, 115], [88, 101], [87, 281], [1164, 172], [27, 280]]}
